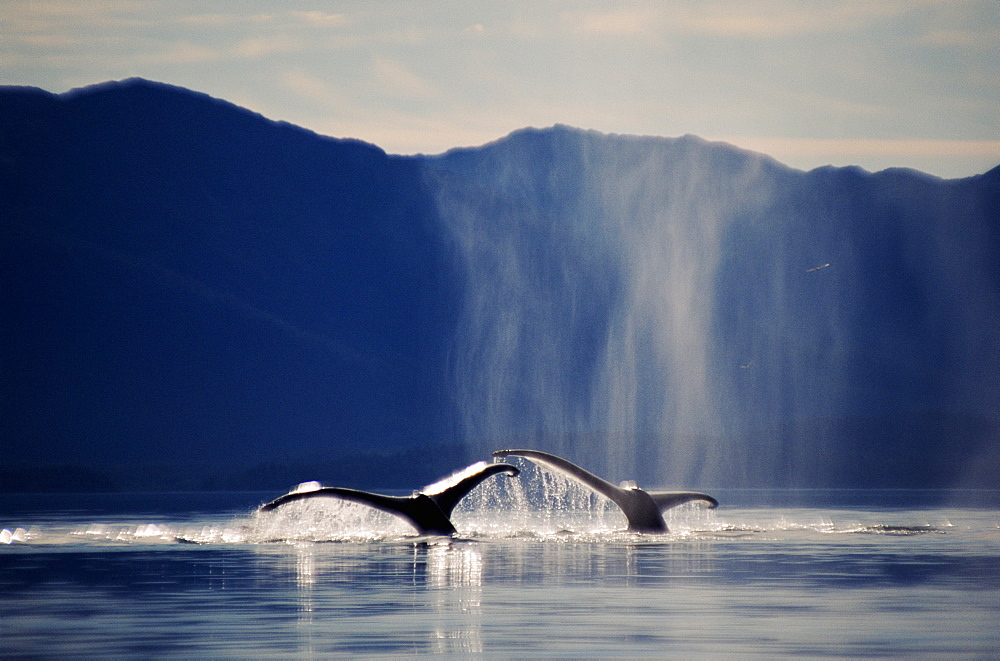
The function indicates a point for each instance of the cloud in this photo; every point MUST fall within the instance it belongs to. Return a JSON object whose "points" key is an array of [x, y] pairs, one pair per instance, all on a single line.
{"points": [[74, 9], [864, 150], [217, 19], [25, 16], [317, 19], [961, 38], [615, 23], [259, 46], [180, 52], [311, 88], [775, 19], [766, 19], [322, 19], [402, 133], [48, 40], [398, 79]]}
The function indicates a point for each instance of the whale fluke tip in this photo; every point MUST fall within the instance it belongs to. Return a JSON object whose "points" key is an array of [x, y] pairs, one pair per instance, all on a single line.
{"points": [[667, 499], [306, 487], [518, 453]]}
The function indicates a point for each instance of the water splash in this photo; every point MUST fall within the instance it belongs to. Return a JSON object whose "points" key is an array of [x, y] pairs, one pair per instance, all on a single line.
{"points": [[542, 510], [324, 519], [539, 502]]}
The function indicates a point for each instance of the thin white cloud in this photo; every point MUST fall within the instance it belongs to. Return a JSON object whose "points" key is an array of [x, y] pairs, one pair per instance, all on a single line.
{"points": [[400, 133], [901, 148], [219, 19], [620, 22], [812, 152], [76, 9], [775, 19], [961, 37], [764, 19], [322, 19], [48, 40], [311, 88], [267, 45], [180, 52], [399, 80], [820, 102]]}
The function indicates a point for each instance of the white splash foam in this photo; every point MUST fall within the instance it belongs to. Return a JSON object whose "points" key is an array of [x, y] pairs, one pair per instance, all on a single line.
{"points": [[446, 483]]}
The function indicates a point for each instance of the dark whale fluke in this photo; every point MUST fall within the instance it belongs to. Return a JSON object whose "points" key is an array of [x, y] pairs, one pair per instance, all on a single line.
{"points": [[643, 509], [428, 510]]}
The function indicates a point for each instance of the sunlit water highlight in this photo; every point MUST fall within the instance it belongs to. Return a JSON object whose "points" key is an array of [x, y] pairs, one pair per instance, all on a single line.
{"points": [[319, 579]]}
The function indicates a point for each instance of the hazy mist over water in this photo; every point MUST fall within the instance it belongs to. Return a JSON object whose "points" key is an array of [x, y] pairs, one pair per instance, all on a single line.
{"points": [[591, 319], [690, 313]]}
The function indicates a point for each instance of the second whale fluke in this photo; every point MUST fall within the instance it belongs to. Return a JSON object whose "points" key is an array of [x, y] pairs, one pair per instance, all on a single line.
{"points": [[643, 509], [428, 510]]}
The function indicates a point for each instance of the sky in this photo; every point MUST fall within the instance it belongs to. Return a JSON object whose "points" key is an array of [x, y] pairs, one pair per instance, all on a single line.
{"points": [[886, 83]]}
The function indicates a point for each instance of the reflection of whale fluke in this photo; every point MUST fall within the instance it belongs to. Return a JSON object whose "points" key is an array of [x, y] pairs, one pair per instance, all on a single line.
{"points": [[429, 510], [643, 509]]}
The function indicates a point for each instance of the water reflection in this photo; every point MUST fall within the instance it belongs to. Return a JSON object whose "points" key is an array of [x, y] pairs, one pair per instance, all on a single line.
{"points": [[305, 575], [761, 583], [455, 580], [425, 595], [435, 596], [305, 581]]}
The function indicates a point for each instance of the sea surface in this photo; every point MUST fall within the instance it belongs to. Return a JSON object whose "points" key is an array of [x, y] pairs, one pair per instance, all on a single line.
{"points": [[797, 574]]}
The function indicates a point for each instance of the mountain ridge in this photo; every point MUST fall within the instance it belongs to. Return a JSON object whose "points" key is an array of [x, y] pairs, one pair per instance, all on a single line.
{"points": [[189, 279], [140, 83]]}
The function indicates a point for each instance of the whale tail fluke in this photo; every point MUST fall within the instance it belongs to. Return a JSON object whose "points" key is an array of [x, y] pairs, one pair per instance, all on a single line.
{"points": [[378, 501], [425, 516], [429, 511], [567, 468], [644, 510]]}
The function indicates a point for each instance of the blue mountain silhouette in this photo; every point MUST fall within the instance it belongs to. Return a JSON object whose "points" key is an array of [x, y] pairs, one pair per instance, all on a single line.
{"points": [[194, 295]]}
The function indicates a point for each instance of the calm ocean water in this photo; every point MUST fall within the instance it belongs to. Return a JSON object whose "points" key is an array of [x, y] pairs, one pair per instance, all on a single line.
{"points": [[767, 575]]}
